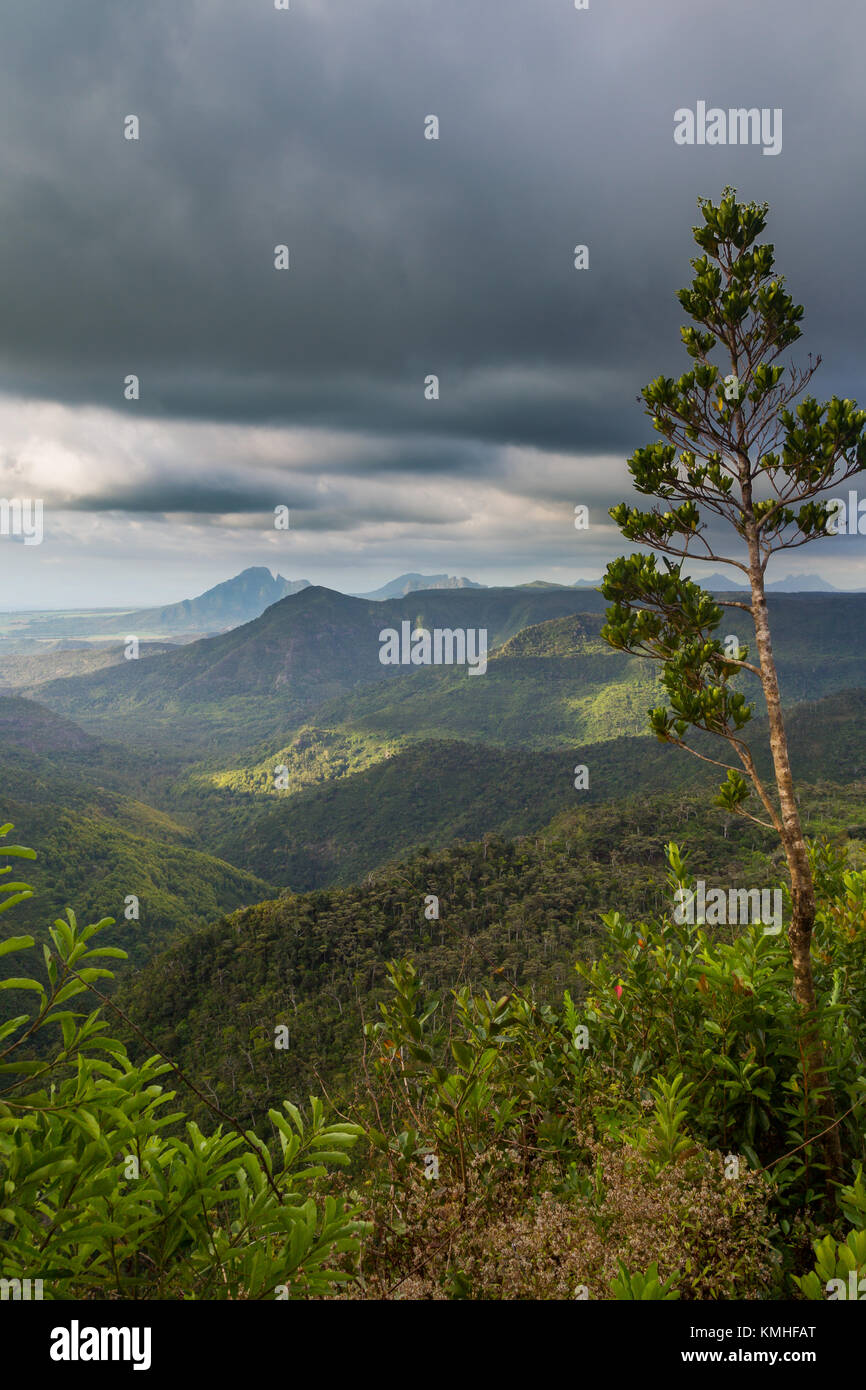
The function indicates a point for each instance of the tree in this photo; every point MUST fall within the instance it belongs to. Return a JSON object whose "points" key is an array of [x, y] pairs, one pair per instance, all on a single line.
{"points": [[733, 447]]}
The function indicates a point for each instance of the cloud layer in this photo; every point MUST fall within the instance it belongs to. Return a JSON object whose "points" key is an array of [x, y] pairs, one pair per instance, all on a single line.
{"points": [[408, 257]]}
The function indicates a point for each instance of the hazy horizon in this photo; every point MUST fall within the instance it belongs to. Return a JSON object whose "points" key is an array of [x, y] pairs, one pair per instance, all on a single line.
{"points": [[355, 591]]}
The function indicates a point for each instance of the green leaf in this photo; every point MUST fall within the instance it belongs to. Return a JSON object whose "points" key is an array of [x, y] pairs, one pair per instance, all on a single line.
{"points": [[15, 943], [462, 1054]]}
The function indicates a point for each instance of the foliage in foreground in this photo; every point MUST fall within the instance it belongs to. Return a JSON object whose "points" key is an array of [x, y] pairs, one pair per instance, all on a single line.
{"points": [[658, 1139], [651, 1138], [99, 1200]]}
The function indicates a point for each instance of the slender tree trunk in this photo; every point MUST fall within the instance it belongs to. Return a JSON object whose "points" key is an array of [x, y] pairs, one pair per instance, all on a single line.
{"points": [[794, 842]]}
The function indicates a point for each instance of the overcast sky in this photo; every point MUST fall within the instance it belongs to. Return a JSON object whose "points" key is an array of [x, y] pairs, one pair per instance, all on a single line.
{"points": [[408, 257]]}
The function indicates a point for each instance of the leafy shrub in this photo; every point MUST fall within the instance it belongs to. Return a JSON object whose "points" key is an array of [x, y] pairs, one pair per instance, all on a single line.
{"points": [[543, 1236], [656, 1133], [98, 1199], [533, 1197], [841, 1265], [643, 1286]]}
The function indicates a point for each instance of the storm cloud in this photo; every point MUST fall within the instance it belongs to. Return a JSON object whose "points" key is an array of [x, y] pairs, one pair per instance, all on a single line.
{"points": [[408, 257]]}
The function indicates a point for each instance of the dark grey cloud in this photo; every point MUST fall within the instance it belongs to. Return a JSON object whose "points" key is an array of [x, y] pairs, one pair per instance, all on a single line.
{"points": [[408, 257]]}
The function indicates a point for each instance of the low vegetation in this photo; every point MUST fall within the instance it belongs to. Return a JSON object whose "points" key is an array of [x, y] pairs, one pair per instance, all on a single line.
{"points": [[649, 1133]]}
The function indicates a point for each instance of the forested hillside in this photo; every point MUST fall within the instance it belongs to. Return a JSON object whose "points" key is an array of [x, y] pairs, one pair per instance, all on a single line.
{"points": [[101, 847], [426, 835], [522, 910], [256, 680], [513, 914]]}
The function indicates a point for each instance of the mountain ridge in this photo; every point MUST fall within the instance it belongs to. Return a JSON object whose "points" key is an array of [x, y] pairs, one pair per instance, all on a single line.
{"points": [[273, 671], [228, 604], [411, 583]]}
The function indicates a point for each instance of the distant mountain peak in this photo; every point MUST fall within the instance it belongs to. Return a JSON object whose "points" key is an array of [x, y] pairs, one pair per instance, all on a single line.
{"points": [[718, 583], [791, 584], [802, 584], [413, 583], [541, 584], [228, 604]]}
